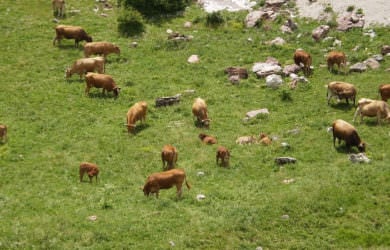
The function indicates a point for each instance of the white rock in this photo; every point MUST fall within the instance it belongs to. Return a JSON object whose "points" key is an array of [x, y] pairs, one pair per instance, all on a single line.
{"points": [[193, 59], [200, 173], [274, 81], [200, 197]]}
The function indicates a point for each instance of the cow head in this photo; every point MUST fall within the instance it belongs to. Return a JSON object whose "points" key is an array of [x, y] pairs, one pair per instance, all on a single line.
{"points": [[93, 172], [362, 147], [117, 50], [116, 91], [68, 73], [205, 122], [146, 190]]}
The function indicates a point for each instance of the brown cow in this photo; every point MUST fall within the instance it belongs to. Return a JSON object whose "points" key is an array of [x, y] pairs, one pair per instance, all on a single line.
{"points": [[342, 130], [372, 108], [384, 91], [207, 139], [58, 7], [106, 82], [84, 65], [100, 48], [89, 168], [341, 90], [3, 132], [336, 57], [223, 154], [71, 32], [199, 110], [168, 157], [137, 112], [165, 180], [265, 140], [303, 60]]}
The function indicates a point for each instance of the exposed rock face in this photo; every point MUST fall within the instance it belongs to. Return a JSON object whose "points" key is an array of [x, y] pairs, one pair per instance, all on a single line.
{"points": [[349, 20], [275, 3], [320, 32], [254, 17]]}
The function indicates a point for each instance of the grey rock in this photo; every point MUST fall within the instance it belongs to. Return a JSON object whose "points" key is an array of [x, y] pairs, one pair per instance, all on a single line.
{"points": [[264, 69], [359, 158], [285, 160], [350, 20], [372, 63], [320, 32], [254, 113], [358, 67], [290, 69], [273, 81], [234, 79]]}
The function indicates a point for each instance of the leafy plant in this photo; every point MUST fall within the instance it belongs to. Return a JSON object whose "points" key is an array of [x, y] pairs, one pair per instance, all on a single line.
{"points": [[130, 22]]}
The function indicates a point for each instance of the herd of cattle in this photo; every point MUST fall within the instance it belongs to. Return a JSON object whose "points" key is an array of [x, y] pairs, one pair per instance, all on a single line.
{"points": [[171, 176]]}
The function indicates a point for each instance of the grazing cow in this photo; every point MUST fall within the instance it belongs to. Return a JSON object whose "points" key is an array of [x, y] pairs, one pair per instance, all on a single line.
{"points": [[101, 81], [89, 168], [84, 65], [71, 32], [100, 48], [384, 91], [199, 110], [58, 7], [168, 157], [3, 132], [265, 140], [223, 154], [207, 139], [303, 60], [342, 130], [165, 180], [372, 108], [336, 57], [137, 112], [341, 90]]}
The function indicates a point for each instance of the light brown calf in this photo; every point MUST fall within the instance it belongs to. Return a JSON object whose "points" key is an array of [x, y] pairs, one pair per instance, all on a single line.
{"points": [[338, 58], [89, 168], [303, 59], [207, 139], [168, 157], [137, 112], [223, 155]]}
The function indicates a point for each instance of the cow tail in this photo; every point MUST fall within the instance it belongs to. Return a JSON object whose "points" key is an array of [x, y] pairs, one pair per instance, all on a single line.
{"points": [[187, 184]]}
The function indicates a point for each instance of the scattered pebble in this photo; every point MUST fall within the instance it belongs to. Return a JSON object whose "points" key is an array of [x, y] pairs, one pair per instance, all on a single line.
{"points": [[200, 173], [92, 218], [285, 217], [172, 243], [288, 181], [200, 197]]}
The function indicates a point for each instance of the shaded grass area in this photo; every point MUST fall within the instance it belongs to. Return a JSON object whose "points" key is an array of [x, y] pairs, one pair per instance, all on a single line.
{"points": [[53, 126]]}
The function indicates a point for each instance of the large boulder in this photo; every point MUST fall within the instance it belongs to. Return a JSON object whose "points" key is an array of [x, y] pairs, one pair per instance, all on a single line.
{"points": [[263, 69], [273, 81], [372, 63], [320, 32]]}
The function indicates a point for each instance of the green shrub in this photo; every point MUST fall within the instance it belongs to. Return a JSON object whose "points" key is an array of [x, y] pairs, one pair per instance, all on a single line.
{"points": [[130, 22], [350, 8], [155, 7], [214, 19]]}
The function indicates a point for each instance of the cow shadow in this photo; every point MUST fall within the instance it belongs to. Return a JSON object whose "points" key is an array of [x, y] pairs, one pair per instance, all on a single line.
{"points": [[139, 128], [100, 95], [342, 106], [342, 149], [69, 46]]}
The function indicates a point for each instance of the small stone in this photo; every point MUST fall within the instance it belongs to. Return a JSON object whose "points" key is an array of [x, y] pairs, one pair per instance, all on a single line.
{"points": [[187, 24], [92, 218], [200, 173], [285, 217], [193, 59], [200, 197]]}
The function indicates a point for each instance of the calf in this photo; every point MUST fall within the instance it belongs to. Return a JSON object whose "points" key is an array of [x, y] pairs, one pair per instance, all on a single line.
{"points": [[89, 168], [336, 57], [58, 7], [168, 157], [223, 155], [303, 60], [71, 32], [3, 132], [341, 90], [265, 140], [199, 110], [372, 108], [384, 91], [207, 139], [165, 180], [137, 112], [84, 65], [342, 130], [100, 48], [101, 81]]}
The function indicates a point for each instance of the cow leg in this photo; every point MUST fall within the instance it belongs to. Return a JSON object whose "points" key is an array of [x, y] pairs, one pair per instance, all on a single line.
{"points": [[179, 190], [90, 179], [81, 175], [87, 88]]}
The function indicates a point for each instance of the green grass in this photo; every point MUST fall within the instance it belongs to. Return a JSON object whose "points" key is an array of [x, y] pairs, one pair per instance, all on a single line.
{"points": [[53, 126]]}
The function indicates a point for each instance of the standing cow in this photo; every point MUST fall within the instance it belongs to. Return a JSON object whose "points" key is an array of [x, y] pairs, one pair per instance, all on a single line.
{"points": [[342, 130], [165, 180], [336, 57], [168, 157], [71, 32], [223, 155], [106, 82], [384, 91], [199, 110], [303, 60], [91, 169], [137, 112]]}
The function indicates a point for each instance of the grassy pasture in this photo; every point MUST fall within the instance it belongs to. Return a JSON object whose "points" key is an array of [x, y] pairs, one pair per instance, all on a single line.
{"points": [[53, 126]]}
